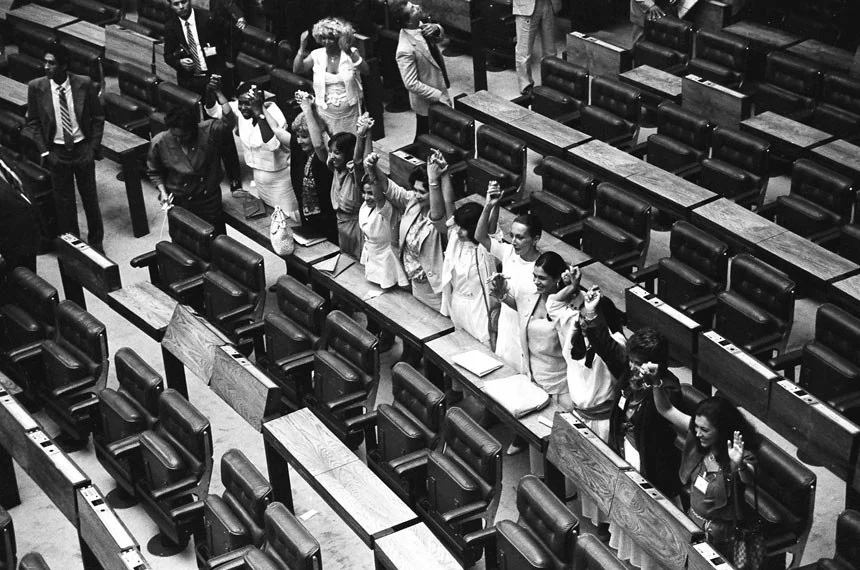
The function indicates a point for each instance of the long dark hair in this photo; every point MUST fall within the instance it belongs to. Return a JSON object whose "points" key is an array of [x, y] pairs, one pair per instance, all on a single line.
{"points": [[726, 419], [466, 216]]}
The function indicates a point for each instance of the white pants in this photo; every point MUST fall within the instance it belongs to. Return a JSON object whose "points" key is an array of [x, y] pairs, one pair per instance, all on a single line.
{"points": [[543, 21]]}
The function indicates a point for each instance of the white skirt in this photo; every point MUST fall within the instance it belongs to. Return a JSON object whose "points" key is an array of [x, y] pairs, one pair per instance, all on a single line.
{"points": [[470, 314], [276, 189], [381, 265], [508, 345]]}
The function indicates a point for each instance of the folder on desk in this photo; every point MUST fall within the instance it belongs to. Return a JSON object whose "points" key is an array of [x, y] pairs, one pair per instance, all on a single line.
{"points": [[477, 362], [517, 394], [336, 264], [307, 236]]}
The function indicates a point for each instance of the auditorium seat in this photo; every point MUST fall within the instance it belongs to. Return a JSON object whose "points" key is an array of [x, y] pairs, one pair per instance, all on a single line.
{"points": [[171, 95], [346, 377], [177, 465], [124, 413], [499, 157], [75, 367], [33, 561], [85, 60], [288, 545], [613, 114], [405, 429], [666, 44], [27, 317], [284, 84], [847, 553], [619, 232], [176, 265], [8, 553], [790, 85], [11, 125], [544, 536], [95, 12], [591, 554], [153, 14], [820, 201], [756, 312], [721, 58], [681, 142], [563, 90], [32, 41], [257, 56], [737, 168], [837, 110], [136, 101], [450, 131], [830, 362], [692, 275], [38, 187], [234, 522], [463, 475], [567, 198]]}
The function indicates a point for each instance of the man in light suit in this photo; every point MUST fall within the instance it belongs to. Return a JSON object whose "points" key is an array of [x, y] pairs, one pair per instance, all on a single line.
{"points": [[420, 61], [67, 121], [533, 17]]}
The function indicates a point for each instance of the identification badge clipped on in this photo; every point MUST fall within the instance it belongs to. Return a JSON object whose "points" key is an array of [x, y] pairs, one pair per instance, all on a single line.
{"points": [[701, 484], [210, 51], [622, 402]]}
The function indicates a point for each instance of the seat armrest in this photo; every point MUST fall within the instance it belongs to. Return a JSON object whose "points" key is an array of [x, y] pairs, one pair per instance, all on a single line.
{"points": [[828, 236], [251, 330], [701, 309], [524, 100], [233, 314], [25, 353], [412, 464], [125, 447], [568, 119], [180, 487], [485, 537], [367, 424], [85, 407], [768, 210], [144, 260], [184, 288], [457, 168], [297, 362], [621, 140], [638, 150], [72, 387], [226, 560], [191, 515], [465, 512], [763, 344], [646, 276], [623, 260], [848, 405], [689, 172], [517, 206], [786, 362], [569, 232], [346, 401]]}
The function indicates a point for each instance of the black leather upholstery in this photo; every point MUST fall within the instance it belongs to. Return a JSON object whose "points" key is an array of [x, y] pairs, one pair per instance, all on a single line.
{"points": [[153, 14], [288, 542], [613, 114], [32, 41], [681, 140], [830, 365], [790, 85], [33, 561], [257, 56], [666, 44], [171, 95], [499, 157], [720, 57], [591, 554], [545, 535], [84, 59], [757, 310], [137, 99], [567, 197], [8, 552], [284, 84], [95, 12], [820, 200], [847, 555], [11, 125], [837, 110], [563, 88], [451, 132], [28, 316], [738, 167], [619, 232]]}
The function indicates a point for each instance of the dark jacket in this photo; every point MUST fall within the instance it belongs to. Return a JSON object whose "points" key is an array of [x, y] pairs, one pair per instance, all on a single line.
{"points": [[88, 112], [176, 47], [19, 227]]}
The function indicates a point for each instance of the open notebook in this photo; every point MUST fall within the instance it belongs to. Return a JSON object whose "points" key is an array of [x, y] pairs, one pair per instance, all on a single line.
{"points": [[477, 362]]}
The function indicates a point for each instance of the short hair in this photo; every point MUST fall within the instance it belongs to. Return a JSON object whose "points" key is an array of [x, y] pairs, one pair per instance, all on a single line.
{"points": [[466, 216], [300, 124], [399, 12], [182, 118], [343, 142], [419, 175], [336, 27], [650, 345], [532, 222], [60, 53]]}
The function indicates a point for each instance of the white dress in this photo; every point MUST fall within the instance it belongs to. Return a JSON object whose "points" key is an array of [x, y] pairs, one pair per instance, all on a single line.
{"points": [[381, 264], [521, 278]]}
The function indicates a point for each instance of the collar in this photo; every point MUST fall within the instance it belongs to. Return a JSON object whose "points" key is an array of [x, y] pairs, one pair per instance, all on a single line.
{"points": [[190, 19], [65, 84], [415, 33]]}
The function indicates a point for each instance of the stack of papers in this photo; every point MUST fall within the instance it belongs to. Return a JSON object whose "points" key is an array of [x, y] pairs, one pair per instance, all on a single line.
{"points": [[306, 236], [477, 362]]}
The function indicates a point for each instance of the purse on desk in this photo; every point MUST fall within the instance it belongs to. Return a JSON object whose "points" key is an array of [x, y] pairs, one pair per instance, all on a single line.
{"points": [[280, 233], [517, 394]]}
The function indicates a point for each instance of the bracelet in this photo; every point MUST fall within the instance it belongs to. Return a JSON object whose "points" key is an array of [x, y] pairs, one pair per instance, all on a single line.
{"points": [[433, 185], [359, 61]]}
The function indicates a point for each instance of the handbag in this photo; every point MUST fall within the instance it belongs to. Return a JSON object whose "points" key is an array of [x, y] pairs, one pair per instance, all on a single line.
{"points": [[280, 233], [749, 549]]}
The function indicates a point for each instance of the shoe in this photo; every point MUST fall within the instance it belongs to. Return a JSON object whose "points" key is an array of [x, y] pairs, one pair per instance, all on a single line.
{"points": [[603, 534], [515, 447]]}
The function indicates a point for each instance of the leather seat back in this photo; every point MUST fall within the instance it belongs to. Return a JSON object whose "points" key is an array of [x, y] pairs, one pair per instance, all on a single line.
{"points": [[666, 42], [153, 14], [11, 125], [139, 382], [786, 489], [191, 232], [453, 126], [501, 149], [547, 517], [624, 210], [727, 51], [796, 75], [697, 266], [84, 336], [84, 60], [473, 449], [186, 430], [288, 541], [303, 306], [138, 84], [848, 538], [32, 40], [830, 364], [563, 89], [171, 95], [246, 492], [258, 54], [763, 285], [236, 278], [591, 554], [842, 92], [683, 126], [353, 344], [570, 183], [36, 301], [284, 84], [823, 187], [741, 150], [619, 99]]}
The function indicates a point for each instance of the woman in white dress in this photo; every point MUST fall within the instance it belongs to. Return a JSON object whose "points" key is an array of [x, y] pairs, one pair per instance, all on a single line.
{"points": [[381, 265], [337, 69]]}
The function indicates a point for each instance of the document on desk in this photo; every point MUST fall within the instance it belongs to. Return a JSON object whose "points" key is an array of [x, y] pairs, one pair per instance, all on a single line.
{"points": [[517, 394], [335, 265], [306, 236], [478, 363], [372, 294]]}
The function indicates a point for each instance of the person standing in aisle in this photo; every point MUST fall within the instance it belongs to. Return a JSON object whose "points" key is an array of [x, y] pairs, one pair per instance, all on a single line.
{"points": [[533, 17]]}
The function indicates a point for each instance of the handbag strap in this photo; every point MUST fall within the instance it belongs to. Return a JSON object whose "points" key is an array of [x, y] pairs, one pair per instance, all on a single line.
{"points": [[737, 499]]}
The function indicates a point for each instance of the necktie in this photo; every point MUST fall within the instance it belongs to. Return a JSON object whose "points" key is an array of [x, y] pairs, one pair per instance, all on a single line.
{"points": [[193, 48], [437, 56], [66, 118]]}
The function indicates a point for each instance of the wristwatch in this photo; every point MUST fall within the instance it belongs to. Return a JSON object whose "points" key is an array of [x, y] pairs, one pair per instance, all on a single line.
{"points": [[262, 116]]}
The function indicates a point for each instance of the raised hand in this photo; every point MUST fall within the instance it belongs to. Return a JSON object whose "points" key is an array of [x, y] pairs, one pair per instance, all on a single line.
{"points": [[735, 448], [370, 161], [592, 298], [494, 194], [305, 100], [499, 287], [303, 40], [436, 165], [572, 276]]}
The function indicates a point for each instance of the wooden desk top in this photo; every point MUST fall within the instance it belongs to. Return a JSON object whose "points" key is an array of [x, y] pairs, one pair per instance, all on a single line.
{"points": [[543, 133], [244, 387], [350, 283], [796, 252], [612, 284], [490, 108], [671, 190], [144, 305], [193, 340], [13, 91], [407, 316], [41, 16], [363, 501], [87, 32], [822, 53], [782, 129], [120, 141], [842, 155], [763, 35], [606, 159], [729, 219], [302, 439], [653, 79], [846, 291], [414, 548]]}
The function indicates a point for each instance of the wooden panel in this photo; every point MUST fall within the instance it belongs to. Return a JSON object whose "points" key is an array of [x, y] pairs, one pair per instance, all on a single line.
{"points": [[545, 135], [703, 556], [831, 57], [119, 141], [364, 502], [612, 284], [801, 258], [740, 377], [57, 475], [670, 192], [723, 106], [40, 16], [244, 386], [598, 56], [87, 32], [145, 306], [105, 534], [13, 94], [10, 387], [606, 160], [127, 46], [191, 339], [87, 266], [741, 227], [763, 37], [585, 459], [307, 444], [821, 434], [784, 132], [5, 6], [397, 310], [402, 165], [647, 310], [842, 156], [490, 108], [655, 523], [653, 80], [414, 548]]}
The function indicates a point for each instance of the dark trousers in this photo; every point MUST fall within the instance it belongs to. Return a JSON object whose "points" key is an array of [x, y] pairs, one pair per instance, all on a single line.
{"points": [[68, 166], [422, 125]]}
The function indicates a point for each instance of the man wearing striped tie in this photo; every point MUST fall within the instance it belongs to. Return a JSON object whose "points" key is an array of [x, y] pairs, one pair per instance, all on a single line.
{"points": [[67, 121]]}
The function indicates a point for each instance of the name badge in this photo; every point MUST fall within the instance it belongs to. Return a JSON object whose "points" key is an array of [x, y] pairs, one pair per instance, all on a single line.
{"points": [[209, 51], [701, 484], [622, 402]]}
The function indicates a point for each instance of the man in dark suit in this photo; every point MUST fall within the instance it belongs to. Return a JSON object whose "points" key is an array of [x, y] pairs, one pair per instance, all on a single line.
{"points": [[67, 121], [196, 47], [19, 228]]}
